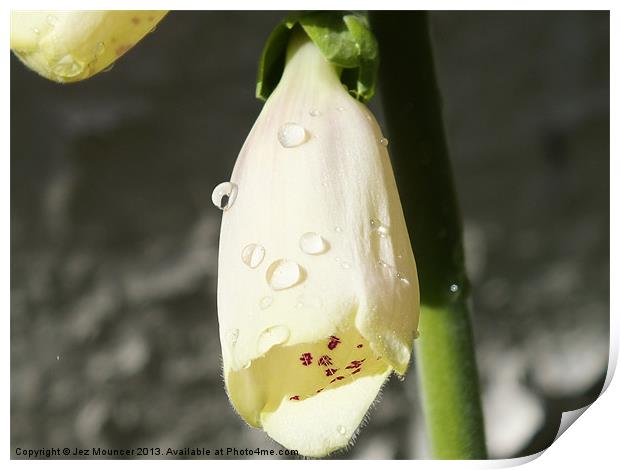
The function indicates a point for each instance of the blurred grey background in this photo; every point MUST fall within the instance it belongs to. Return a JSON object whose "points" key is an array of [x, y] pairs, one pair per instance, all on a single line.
{"points": [[114, 238]]}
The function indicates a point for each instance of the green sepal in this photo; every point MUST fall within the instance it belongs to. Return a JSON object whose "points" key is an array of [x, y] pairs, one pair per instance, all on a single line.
{"points": [[344, 39]]}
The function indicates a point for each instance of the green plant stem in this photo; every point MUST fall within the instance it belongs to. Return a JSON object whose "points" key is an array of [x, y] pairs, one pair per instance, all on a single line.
{"points": [[445, 357]]}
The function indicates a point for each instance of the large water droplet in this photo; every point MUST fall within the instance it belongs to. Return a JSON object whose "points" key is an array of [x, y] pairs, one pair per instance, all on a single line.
{"points": [[271, 337], [224, 195], [265, 302], [341, 429], [252, 255], [313, 243], [291, 135], [283, 274], [383, 141], [454, 288]]}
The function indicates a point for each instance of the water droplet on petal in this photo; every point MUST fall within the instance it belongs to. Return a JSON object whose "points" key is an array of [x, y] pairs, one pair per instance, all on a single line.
{"points": [[383, 141], [315, 113], [341, 429], [252, 255], [36, 30], [283, 274], [100, 49], [454, 288], [265, 302], [291, 135], [232, 336], [271, 337], [345, 265], [68, 67], [338, 229], [402, 279], [312, 243], [224, 195], [58, 358], [379, 228], [340, 108]]}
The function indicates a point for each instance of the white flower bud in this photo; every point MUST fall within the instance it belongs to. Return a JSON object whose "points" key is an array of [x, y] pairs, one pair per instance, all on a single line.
{"points": [[317, 293], [67, 46]]}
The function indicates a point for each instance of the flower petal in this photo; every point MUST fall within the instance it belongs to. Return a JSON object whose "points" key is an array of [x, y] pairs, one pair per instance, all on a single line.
{"points": [[67, 46], [332, 306]]}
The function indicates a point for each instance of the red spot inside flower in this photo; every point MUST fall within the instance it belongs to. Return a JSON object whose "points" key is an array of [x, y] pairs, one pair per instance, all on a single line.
{"points": [[295, 398], [329, 372], [356, 371], [355, 364], [333, 342], [325, 360], [135, 20], [120, 50], [306, 359], [360, 346]]}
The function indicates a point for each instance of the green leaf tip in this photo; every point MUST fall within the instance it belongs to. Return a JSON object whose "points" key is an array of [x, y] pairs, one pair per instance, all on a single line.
{"points": [[344, 39]]}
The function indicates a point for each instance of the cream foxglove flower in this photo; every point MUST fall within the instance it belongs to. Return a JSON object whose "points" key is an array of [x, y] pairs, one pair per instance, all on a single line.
{"points": [[67, 46], [317, 292]]}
